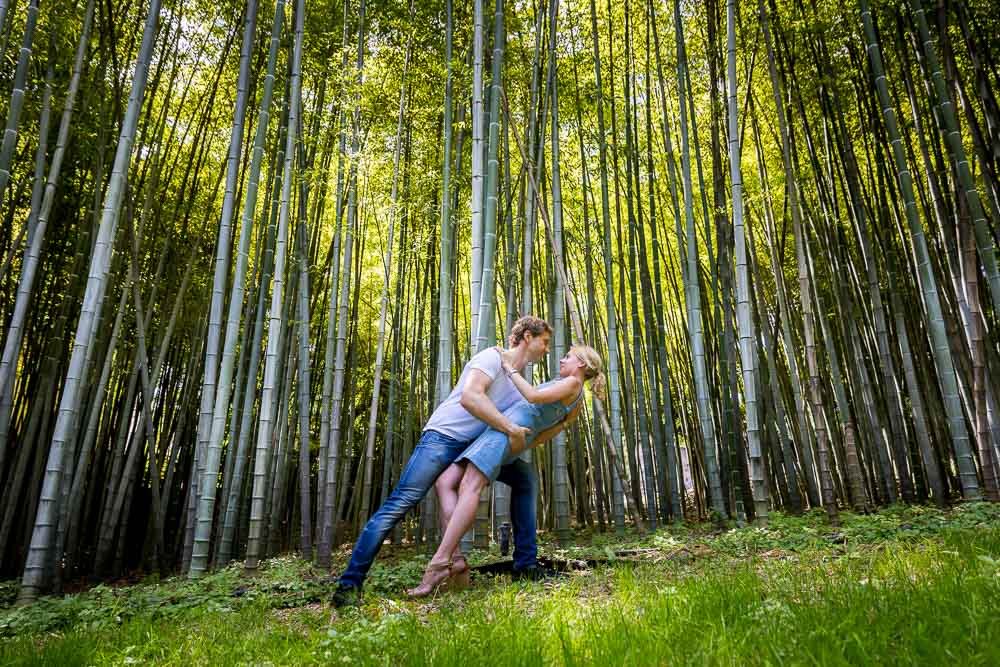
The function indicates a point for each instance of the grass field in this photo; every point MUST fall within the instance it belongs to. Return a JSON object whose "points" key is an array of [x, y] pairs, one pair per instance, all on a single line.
{"points": [[904, 586]]}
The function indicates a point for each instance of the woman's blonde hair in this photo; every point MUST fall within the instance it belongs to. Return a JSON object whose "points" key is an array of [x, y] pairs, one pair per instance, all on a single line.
{"points": [[594, 369]]}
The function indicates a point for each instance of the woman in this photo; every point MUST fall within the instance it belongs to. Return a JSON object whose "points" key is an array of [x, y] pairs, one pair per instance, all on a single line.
{"points": [[545, 410]]}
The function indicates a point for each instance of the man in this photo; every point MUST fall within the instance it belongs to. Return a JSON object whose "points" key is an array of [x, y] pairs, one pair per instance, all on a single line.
{"points": [[478, 400]]}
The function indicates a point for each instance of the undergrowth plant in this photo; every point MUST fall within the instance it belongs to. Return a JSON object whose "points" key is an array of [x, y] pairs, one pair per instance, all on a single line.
{"points": [[907, 585]]}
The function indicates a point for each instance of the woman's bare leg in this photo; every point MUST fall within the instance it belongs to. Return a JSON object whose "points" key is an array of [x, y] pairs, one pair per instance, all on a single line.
{"points": [[447, 486], [447, 491], [464, 513], [462, 516]]}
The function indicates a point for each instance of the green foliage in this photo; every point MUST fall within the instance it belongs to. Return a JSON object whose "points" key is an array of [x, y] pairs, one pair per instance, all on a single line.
{"points": [[908, 585], [286, 582], [364, 638], [388, 578], [8, 593], [794, 534]]}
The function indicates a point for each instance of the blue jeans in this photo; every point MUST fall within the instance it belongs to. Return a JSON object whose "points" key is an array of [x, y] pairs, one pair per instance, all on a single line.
{"points": [[523, 482], [430, 457]]}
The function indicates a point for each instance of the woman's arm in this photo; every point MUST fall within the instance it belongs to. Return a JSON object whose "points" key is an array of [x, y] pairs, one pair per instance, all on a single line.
{"points": [[557, 391]]}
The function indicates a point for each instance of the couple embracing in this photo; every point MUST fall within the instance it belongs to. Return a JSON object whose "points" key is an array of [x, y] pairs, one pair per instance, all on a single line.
{"points": [[475, 437]]}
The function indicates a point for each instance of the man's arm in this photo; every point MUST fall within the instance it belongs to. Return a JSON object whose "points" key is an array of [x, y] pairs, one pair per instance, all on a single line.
{"points": [[479, 405]]}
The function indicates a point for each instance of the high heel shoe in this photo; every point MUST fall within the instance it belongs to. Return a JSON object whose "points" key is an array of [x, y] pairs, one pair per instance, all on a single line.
{"points": [[434, 576], [459, 579]]}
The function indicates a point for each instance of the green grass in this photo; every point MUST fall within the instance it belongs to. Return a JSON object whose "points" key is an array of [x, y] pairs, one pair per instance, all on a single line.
{"points": [[905, 586]]}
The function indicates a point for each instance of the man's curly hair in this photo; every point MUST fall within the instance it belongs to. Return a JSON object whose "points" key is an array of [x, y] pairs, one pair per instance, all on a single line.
{"points": [[536, 326]]}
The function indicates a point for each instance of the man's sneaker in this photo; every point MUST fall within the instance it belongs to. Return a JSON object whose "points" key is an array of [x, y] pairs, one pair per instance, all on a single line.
{"points": [[536, 573], [346, 596]]}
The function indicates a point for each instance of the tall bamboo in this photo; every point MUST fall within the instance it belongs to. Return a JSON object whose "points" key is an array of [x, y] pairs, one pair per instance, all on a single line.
{"points": [[928, 282], [387, 268], [331, 513], [255, 546], [558, 446], [34, 579], [209, 477], [223, 552], [328, 470], [983, 242], [32, 257], [743, 305], [693, 291], [613, 363], [8, 144], [302, 381], [443, 382], [478, 149], [485, 335], [614, 452], [635, 225], [949, 127]]}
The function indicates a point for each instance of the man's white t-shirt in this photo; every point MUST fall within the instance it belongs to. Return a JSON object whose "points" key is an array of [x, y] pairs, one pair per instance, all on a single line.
{"points": [[454, 421]]}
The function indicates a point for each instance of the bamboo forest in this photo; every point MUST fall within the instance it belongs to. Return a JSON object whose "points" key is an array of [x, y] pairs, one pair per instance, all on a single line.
{"points": [[247, 248]]}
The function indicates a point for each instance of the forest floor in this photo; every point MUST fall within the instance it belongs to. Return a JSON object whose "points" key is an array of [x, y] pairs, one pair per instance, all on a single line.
{"points": [[908, 585]]}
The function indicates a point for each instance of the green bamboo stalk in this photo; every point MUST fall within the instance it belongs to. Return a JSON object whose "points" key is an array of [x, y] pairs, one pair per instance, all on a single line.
{"points": [[693, 292], [223, 392], [387, 268], [744, 311], [255, 542], [948, 125], [34, 579], [485, 321], [614, 390], [804, 433], [928, 282], [478, 184], [445, 316], [327, 518], [9, 142], [558, 445], [32, 257]]}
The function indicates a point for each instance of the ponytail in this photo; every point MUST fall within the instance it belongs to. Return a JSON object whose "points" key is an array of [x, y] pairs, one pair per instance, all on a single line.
{"points": [[592, 360], [599, 386]]}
